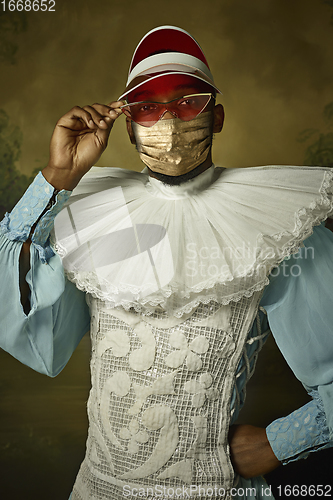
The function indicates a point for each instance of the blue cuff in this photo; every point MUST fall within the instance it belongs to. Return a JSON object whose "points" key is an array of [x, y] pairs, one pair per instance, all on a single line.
{"points": [[45, 224], [303, 431], [18, 224]]}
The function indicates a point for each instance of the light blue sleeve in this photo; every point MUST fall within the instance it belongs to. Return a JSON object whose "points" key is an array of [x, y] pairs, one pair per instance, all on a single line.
{"points": [[59, 316], [298, 302]]}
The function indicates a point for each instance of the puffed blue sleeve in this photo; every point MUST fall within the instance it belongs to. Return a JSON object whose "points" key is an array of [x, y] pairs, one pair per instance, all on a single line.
{"points": [[298, 302], [59, 316]]}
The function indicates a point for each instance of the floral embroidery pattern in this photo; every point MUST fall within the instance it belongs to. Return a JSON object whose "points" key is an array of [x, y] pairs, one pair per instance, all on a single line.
{"points": [[201, 389], [198, 448], [163, 418], [117, 340], [119, 384], [185, 351], [143, 358], [162, 385], [134, 436]]}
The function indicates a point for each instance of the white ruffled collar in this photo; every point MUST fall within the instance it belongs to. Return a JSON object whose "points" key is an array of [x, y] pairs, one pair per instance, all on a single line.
{"points": [[133, 241], [184, 190]]}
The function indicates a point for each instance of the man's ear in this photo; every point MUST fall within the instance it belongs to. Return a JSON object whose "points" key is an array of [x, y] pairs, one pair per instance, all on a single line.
{"points": [[130, 130], [218, 118]]}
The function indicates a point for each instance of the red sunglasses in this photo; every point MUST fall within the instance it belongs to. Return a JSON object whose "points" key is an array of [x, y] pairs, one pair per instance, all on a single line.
{"points": [[147, 113]]}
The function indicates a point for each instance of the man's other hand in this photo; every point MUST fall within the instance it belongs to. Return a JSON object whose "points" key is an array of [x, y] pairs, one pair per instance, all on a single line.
{"points": [[251, 453], [78, 140]]}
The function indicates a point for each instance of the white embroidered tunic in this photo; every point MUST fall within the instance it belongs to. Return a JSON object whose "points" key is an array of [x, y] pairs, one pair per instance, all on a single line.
{"points": [[175, 276], [160, 398]]}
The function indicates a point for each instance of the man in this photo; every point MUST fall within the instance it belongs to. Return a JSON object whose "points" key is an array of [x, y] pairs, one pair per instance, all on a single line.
{"points": [[174, 262]]}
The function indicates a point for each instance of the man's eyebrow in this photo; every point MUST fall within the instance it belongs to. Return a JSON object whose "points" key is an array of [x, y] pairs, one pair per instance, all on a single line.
{"points": [[184, 86], [143, 93], [148, 93]]}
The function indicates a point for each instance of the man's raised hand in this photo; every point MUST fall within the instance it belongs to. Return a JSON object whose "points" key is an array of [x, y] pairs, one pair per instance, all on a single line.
{"points": [[78, 140]]}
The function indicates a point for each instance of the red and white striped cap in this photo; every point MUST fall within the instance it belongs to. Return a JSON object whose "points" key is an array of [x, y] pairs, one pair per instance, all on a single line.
{"points": [[167, 50]]}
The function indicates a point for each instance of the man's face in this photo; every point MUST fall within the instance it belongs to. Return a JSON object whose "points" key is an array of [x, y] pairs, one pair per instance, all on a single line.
{"points": [[165, 90]]}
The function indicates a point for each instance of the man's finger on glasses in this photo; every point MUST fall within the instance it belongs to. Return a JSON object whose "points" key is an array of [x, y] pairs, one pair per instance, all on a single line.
{"points": [[97, 116], [114, 108], [103, 112]]}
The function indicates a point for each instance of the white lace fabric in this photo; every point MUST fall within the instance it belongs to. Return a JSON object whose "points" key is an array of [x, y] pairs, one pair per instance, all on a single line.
{"points": [[159, 407], [135, 242]]}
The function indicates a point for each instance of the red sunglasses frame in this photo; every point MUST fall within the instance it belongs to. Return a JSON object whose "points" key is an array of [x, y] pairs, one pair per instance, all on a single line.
{"points": [[165, 108]]}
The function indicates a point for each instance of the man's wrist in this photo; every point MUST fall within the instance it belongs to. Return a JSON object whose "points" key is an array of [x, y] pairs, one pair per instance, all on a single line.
{"points": [[251, 453], [61, 178]]}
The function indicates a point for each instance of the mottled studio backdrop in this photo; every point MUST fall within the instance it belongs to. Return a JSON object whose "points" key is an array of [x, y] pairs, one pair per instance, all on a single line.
{"points": [[272, 59]]}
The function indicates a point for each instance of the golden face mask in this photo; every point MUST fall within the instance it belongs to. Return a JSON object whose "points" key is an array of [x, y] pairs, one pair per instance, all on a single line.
{"points": [[174, 147]]}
